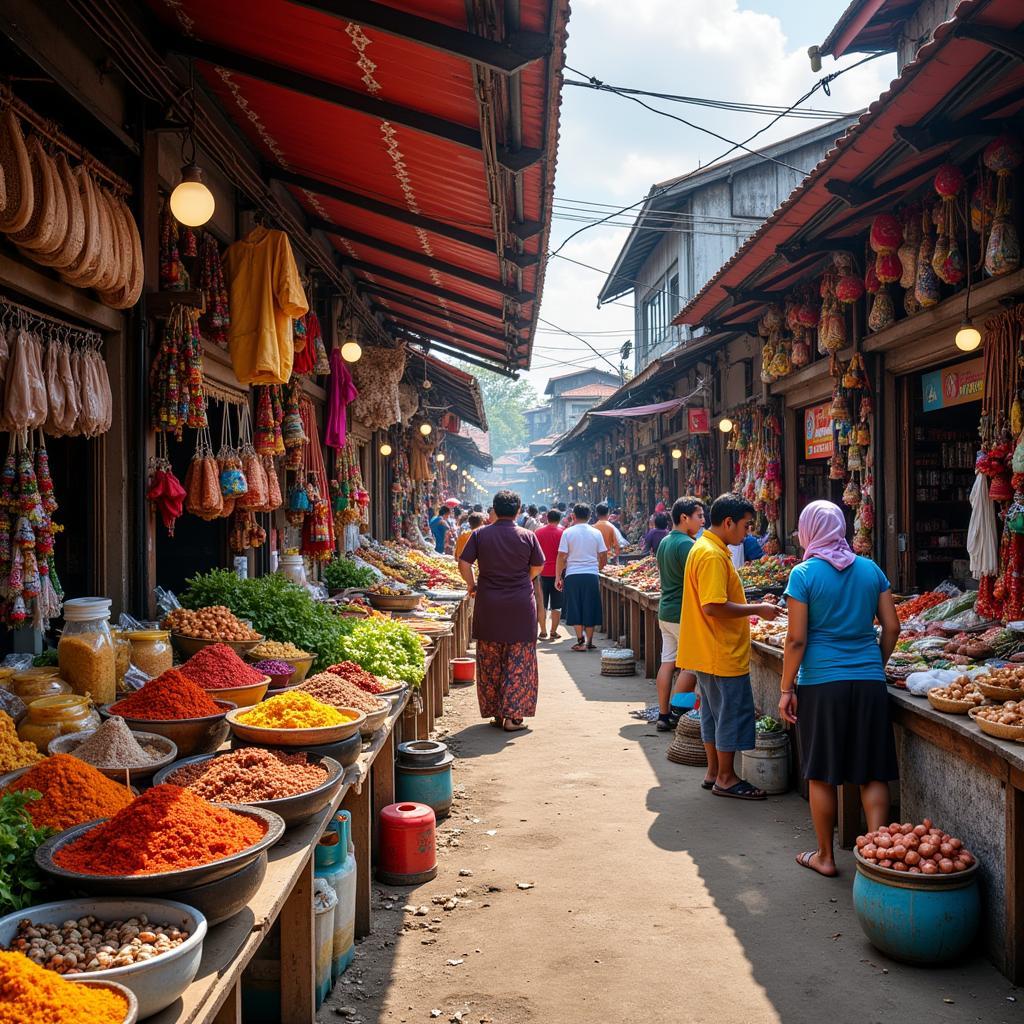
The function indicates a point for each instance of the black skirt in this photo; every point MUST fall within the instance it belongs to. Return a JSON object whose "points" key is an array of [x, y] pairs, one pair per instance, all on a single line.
{"points": [[844, 733], [581, 600]]}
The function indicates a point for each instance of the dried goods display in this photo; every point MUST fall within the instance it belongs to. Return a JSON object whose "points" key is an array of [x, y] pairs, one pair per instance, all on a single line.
{"points": [[769, 571], [915, 605], [37, 994], [295, 710], [441, 573], [177, 399], [169, 697], [1011, 713], [114, 745], [14, 752], [250, 775], [219, 667], [214, 622], [358, 676], [277, 649], [393, 565], [962, 692], [918, 849], [773, 633], [339, 692]]}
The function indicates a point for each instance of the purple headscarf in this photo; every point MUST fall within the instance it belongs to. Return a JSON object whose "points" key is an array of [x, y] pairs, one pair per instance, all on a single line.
{"points": [[822, 534]]}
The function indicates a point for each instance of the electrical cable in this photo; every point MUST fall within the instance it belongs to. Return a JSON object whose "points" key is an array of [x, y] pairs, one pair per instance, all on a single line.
{"points": [[582, 339]]}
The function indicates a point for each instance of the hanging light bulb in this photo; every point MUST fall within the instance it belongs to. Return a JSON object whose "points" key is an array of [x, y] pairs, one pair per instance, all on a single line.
{"points": [[464, 473], [440, 456], [192, 203], [725, 425], [968, 338], [677, 453], [642, 467], [425, 429], [622, 470], [452, 466], [570, 487], [351, 351], [385, 449], [593, 479], [579, 483], [607, 472]]}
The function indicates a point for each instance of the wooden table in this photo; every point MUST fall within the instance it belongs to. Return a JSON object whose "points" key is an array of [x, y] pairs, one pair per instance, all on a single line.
{"points": [[632, 615]]}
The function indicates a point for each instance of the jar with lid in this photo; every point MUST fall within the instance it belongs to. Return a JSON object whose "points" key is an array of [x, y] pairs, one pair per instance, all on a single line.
{"points": [[151, 650], [50, 717], [33, 683], [122, 659], [85, 651]]}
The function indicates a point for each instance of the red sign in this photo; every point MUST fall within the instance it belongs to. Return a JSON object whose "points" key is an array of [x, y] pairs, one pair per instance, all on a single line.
{"points": [[818, 432], [698, 421]]}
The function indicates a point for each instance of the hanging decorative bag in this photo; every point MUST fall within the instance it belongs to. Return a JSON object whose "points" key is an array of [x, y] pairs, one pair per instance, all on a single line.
{"points": [[255, 496], [274, 497], [882, 314], [231, 476], [1002, 157], [926, 284]]}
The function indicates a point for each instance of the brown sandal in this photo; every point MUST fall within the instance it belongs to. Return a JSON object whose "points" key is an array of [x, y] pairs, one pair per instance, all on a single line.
{"points": [[511, 725]]}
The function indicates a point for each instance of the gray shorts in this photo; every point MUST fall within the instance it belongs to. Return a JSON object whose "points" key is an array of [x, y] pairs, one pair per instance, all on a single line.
{"points": [[726, 711]]}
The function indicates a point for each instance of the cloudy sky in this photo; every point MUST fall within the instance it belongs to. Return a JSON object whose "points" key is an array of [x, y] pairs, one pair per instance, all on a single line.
{"points": [[611, 151]]}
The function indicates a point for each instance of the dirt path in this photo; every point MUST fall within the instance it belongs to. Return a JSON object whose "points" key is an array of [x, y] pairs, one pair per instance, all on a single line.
{"points": [[648, 900]]}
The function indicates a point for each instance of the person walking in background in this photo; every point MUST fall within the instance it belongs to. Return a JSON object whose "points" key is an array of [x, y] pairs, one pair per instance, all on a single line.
{"points": [[654, 537], [438, 524], [507, 558], [582, 554], [531, 522], [549, 537], [474, 521], [715, 628], [672, 552], [608, 531], [834, 669]]}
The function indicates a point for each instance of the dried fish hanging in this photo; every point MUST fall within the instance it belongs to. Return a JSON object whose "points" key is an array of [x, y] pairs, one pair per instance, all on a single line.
{"points": [[164, 489], [216, 320], [176, 377]]}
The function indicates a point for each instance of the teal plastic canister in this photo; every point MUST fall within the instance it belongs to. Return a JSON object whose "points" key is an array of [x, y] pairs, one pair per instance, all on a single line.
{"points": [[345, 886]]}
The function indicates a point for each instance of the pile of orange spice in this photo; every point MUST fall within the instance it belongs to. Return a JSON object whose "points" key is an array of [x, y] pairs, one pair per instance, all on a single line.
{"points": [[170, 696], [30, 994], [166, 829], [72, 791]]}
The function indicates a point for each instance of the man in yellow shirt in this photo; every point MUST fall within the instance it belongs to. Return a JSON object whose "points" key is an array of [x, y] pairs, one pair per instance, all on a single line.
{"points": [[715, 622], [475, 521]]}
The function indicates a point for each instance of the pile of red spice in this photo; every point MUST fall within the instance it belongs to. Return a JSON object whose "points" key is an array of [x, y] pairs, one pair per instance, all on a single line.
{"points": [[169, 696], [356, 674], [218, 667], [166, 829]]}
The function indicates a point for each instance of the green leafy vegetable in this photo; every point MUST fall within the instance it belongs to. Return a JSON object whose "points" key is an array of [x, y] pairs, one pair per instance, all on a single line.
{"points": [[20, 880], [384, 647], [343, 573], [47, 658], [768, 724]]}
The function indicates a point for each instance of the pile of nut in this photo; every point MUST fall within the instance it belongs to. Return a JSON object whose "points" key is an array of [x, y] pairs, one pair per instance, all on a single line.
{"points": [[213, 623], [1010, 677], [277, 649], [962, 689], [1010, 713], [77, 947]]}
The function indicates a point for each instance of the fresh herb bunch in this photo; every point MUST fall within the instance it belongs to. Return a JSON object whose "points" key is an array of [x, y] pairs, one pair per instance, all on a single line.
{"points": [[768, 724], [277, 607], [342, 573], [384, 647], [46, 659], [20, 880]]}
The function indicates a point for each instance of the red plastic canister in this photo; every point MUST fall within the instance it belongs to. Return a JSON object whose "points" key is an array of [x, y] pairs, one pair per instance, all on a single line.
{"points": [[463, 670], [408, 847]]}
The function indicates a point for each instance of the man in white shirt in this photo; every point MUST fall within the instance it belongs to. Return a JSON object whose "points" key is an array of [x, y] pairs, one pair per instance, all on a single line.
{"points": [[582, 554]]}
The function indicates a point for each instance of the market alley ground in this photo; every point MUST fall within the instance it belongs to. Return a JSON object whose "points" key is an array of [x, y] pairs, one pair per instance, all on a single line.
{"points": [[606, 887]]}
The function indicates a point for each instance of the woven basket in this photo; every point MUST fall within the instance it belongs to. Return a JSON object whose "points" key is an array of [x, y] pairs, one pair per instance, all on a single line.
{"points": [[951, 707], [109, 270], [43, 230], [616, 662], [997, 729], [131, 258], [999, 693], [122, 248], [17, 175], [685, 749], [689, 727], [71, 244], [83, 269]]}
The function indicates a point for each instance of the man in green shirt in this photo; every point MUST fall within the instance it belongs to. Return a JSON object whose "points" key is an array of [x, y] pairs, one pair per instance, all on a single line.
{"points": [[687, 522]]}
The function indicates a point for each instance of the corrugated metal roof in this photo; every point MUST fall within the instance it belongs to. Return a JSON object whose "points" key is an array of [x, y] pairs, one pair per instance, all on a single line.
{"points": [[928, 89]]}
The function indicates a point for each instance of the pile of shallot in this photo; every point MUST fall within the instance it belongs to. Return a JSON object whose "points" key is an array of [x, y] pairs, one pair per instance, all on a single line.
{"points": [[920, 849]]}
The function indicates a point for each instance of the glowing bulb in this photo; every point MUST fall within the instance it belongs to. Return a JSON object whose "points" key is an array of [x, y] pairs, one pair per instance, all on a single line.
{"points": [[579, 483], [968, 338], [351, 351], [385, 449], [192, 203], [570, 487], [642, 468], [440, 456], [593, 479], [452, 466], [425, 429], [607, 472], [676, 453], [725, 425], [622, 470]]}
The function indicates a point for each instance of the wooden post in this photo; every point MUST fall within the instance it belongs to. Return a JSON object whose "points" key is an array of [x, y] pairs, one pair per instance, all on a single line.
{"points": [[358, 805], [1014, 943], [230, 1011], [634, 625], [382, 779], [849, 816], [651, 659], [446, 675], [298, 967]]}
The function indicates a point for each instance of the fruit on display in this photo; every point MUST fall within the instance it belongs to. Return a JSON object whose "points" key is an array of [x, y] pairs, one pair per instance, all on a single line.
{"points": [[383, 590], [922, 602], [1009, 677], [393, 566], [215, 622], [1010, 713], [642, 574], [918, 849], [768, 571], [963, 689], [441, 573], [773, 633]]}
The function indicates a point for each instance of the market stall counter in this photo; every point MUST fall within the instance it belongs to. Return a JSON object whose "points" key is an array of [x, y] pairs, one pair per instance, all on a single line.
{"points": [[631, 617], [971, 782]]}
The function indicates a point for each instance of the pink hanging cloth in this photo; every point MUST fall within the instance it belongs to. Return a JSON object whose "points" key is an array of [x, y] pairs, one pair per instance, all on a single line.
{"points": [[342, 391]]}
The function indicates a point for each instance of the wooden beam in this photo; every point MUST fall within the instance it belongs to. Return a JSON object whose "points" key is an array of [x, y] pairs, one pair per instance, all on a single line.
{"points": [[419, 258], [468, 345], [852, 195], [921, 138], [483, 362], [527, 229], [794, 250], [419, 324], [328, 92], [513, 54], [739, 294], [398, 213], [517, 160], [1006, 41], [426, 306], [412, 282]]}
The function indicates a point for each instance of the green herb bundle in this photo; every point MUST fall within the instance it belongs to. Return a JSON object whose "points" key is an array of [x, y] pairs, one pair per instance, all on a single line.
{"points": [[21, 881], [342, 573], [384, 647]]}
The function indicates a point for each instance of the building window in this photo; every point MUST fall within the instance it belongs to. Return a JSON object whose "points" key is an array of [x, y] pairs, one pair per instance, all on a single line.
{"points": [[658, 308]]}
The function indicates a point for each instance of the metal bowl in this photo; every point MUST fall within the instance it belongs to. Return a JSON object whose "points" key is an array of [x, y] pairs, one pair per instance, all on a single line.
{"points": [[301, 666], [190, 735], [375, 719], [222, 899], [163, 882], [295, 737], [394, 602], [189, 645], [416, 753], [293, 809], [242, 696], [71, 741], [346, 752], [131, 1014], [155, 983]]}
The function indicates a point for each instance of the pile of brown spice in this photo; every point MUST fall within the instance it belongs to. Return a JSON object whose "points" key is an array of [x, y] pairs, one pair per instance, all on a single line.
{"points": [[249, 775], [113, 745], [332, 689]]}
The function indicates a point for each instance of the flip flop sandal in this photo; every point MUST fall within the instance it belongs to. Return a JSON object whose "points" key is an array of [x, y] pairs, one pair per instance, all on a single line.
{"points": [[707, 785], [578, 647], [511, 726], [742, 790], [804, 860], [496, 722], [543, 636], [591, 647]]}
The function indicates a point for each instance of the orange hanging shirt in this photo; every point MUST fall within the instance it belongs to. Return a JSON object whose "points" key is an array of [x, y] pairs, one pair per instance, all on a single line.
{"points": [[266, 295]]}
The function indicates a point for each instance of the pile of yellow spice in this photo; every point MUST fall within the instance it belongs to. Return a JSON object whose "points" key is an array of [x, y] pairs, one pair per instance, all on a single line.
{"points": [[294, 710], [14, 753]]}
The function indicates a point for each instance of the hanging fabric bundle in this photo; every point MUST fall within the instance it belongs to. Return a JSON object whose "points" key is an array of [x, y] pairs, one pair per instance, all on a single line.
{"points": [[255, 497], [216, 320], [173, 276], [203, 497], [926, 284], [164, 490], [275, 499], [321, 364]]}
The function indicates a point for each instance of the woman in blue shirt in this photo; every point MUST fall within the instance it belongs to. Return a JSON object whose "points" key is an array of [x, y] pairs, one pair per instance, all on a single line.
{"points": [[835, 668]]}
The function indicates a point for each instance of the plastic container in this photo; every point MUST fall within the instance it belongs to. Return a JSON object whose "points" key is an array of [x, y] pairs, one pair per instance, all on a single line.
{"points": [[85, 651], [463, 670], [50, 717], [151, 650], [293, 567], [767, 765], [325, 901], [408, 845], [34, 683], [345, 886]]}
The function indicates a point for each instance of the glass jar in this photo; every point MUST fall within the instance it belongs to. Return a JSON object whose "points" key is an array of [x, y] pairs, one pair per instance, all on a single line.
{"points": [[6, 675], [151, 650], [292, 567], [34, 683], [86, 649], [122, 660], [50, 717]]}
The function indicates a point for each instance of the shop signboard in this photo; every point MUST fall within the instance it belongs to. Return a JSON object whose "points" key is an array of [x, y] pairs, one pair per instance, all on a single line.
{"points": [[817, 432], [953, 385], [698, 421]]}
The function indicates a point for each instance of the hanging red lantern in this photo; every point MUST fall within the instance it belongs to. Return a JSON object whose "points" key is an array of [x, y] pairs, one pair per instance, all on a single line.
{"points": [[849, 288], [808, 315], [948, 181], [888, 267], [1003, 155], [886, 233]]}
